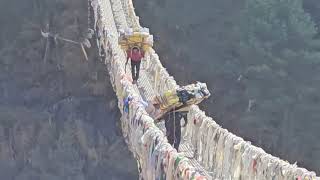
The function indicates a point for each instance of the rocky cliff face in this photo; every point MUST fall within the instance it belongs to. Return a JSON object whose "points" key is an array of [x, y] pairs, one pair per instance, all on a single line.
{"points": [[58, 115]]}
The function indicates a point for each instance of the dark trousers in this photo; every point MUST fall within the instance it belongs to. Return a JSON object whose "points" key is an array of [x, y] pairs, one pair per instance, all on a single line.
{"points": [[135, 68], [173, 128]]}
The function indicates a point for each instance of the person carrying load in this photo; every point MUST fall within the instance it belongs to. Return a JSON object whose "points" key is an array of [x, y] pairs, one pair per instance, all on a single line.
{"points": [[181, 98], [173, 105], [136, 43], [172, 122], [135, 55]]}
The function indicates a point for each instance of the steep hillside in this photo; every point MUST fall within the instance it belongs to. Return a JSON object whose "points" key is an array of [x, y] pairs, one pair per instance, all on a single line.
{"points": [[58, 115], [260, 59]]}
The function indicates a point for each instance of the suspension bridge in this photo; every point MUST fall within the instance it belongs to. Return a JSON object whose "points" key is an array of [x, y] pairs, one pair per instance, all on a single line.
{"points": [[207, 150]]}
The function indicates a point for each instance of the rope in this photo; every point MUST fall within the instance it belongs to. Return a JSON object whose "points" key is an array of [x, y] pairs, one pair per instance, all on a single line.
{"points": [[84, 52], [156, 78], [45, 53], [89, 14], [134, 42], [174, 126], [131, 14]]}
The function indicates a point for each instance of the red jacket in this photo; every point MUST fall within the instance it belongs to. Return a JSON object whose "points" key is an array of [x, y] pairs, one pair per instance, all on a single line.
{"points": [[135, 56]]}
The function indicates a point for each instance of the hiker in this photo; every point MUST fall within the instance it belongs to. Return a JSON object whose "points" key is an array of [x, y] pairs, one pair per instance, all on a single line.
{"points": [[173, 127], [136, 56]]}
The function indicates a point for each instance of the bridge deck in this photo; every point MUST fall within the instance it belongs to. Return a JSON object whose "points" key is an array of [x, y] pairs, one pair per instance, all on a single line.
{"points": [[147, 93], [230, 156]]}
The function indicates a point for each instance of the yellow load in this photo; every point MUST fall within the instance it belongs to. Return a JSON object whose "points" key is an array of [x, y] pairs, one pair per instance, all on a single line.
{"points": [[168, 99], [129, 39], [182, 98]]}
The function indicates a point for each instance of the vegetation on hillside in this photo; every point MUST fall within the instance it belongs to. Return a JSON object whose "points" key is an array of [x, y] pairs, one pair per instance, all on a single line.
{"points": [[58, 115], [261, 59]]}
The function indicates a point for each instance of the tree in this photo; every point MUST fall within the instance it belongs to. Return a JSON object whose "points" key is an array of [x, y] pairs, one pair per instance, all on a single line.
{"points": [[271, 24]]}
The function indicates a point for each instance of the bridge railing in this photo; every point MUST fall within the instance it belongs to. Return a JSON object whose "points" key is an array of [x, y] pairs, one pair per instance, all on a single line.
{"points": [[156, 158], [230, 157], [219, 151]]}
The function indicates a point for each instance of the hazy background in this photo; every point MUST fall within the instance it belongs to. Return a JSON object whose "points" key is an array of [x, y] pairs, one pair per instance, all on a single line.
{"points": [[58, 117], [265, 52]]}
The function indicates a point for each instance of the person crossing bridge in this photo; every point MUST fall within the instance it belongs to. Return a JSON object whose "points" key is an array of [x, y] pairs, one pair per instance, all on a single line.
{"points": [[135, 54]]}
